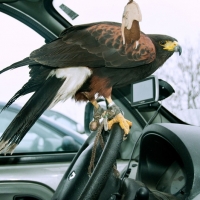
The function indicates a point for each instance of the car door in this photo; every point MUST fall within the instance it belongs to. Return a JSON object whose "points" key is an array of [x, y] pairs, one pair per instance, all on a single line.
{"points": [[29, 173]]}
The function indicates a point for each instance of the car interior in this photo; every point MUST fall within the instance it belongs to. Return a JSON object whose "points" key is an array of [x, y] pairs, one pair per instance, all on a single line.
{"points": [[158, 160]]}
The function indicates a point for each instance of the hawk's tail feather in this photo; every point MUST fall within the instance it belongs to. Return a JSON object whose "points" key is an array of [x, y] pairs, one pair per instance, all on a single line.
{"points": [[38, 77], [24, 62], [28, 115], [12, 100], [27, 88]]}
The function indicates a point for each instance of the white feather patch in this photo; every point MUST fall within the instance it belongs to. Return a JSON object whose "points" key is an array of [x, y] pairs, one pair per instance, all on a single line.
{"points": [[75, 77]]}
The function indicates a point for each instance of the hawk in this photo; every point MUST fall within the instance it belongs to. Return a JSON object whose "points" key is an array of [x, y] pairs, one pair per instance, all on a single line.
{"points": [[85, 60]]}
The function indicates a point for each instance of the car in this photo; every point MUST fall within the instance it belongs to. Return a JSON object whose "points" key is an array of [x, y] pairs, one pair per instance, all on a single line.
{"points": [[160, 157], [46, 134], [64, 120]]}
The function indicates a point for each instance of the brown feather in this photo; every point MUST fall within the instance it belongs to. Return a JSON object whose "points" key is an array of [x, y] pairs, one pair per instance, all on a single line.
{"points": [[95, 45]]}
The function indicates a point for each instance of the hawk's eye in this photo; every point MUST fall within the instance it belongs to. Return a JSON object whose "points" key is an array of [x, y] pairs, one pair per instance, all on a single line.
{"points": [[162, 42]]}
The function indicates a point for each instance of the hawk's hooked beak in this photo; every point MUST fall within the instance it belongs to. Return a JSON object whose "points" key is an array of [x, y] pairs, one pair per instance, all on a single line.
{"points": [[172, 46], [178, 49]]}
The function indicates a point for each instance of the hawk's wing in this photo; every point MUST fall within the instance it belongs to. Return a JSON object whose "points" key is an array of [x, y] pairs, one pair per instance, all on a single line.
{"points": [[95, 45]]}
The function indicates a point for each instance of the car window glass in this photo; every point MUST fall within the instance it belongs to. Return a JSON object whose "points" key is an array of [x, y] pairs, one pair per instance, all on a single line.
{"points": [[17, 42], [42, 137]]}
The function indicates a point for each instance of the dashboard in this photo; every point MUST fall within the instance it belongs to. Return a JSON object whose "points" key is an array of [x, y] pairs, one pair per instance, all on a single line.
{"points": [[166, 161]]}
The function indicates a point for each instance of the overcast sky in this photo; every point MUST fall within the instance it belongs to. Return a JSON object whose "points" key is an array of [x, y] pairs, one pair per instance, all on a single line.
{"points": [[178, 18]]}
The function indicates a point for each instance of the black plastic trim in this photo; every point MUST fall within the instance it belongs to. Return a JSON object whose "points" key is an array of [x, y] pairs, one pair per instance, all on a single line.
{"points": [[53, 12], [169, 116], [26, 197], [27, 21], [36, 158]]}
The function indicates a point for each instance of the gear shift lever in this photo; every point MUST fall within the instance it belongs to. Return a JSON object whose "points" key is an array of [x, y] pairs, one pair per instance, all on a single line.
{"points": [[142, 194]]}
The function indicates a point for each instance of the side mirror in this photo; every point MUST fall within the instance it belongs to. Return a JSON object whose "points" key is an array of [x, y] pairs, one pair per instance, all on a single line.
{"points": [[69, 144]]}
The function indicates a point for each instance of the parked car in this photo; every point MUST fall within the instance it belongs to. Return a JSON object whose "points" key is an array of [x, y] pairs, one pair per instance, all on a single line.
{"points": [[46, 135], [64, 120], [158, 160]]}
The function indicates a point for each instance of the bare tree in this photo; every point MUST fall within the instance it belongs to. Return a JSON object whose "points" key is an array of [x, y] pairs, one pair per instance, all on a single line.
{"points": [[183, 73]]}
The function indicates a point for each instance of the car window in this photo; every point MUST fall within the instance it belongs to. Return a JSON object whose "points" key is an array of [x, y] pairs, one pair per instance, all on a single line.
{"points": [[17, 42], [42, 137]]}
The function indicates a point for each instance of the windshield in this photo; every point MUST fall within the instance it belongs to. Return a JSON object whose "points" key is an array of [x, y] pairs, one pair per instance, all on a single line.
{"points": [[179, 19]]}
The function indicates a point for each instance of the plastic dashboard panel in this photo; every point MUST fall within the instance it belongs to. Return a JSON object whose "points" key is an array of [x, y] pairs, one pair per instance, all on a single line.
{"points": [[169, 159]]}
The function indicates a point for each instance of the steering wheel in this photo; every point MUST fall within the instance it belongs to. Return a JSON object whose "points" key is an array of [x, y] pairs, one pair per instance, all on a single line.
{"points": [[76, 183]]}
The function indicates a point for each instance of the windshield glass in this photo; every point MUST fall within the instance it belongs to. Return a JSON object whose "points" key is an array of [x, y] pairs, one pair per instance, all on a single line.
{"points": [[179, 19]]}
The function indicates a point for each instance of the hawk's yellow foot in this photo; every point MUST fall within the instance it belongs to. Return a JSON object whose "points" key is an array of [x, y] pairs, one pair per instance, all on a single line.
{"points": [[124, 123]]}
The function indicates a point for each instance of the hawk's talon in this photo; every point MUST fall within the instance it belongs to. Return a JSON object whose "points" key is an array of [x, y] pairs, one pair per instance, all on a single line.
{"points": [[124, 123], [113, 111], [114, 114]]}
